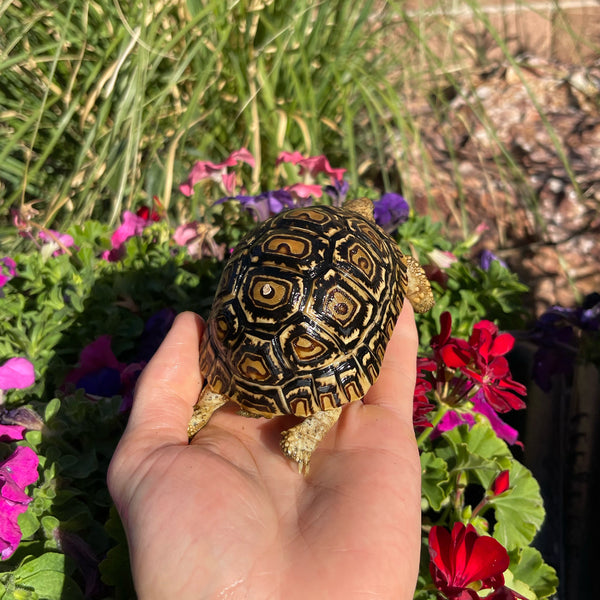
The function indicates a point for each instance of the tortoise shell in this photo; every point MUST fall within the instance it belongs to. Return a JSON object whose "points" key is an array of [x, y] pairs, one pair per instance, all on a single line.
{"points": [[303, 312]]}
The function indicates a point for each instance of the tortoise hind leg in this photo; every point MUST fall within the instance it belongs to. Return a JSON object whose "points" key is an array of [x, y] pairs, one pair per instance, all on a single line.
{"points": [[299, 442], [418, 291], [208, 402]]}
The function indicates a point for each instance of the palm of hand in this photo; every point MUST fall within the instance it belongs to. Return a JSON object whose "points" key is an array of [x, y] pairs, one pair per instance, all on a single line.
{"points": [[230, 517]]}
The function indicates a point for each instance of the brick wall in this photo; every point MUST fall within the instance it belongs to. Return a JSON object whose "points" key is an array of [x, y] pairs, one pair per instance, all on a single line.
{"points": [[566, 30]]}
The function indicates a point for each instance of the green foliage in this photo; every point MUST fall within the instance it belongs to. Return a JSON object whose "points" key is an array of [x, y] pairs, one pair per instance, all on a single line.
{"points": [[46, 577], [473, 457], [469, 293]]}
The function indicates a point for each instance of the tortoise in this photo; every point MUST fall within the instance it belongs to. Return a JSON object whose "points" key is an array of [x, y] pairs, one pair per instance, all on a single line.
{"points": [[301, 319]]}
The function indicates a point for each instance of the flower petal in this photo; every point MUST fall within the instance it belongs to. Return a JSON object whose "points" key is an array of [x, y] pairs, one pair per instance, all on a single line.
{"points": [[16, 373], [11, 432], [22, 466]]}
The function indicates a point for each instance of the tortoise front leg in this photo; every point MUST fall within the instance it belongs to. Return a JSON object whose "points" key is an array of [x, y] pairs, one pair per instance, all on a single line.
{"points": [[299, 442], [208, 402], [419, 290]]}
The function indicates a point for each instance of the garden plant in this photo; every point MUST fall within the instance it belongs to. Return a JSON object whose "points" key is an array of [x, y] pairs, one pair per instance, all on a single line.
{"points": [[84, 310], [140, 142]]}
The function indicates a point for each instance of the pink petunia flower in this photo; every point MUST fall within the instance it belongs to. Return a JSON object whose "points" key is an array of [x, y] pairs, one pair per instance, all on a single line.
{"points": [[59, 241], [8, 269], [11, 433], [304, 191], [132, 225], [16, 373], [312, 165], [17, 472], [216, 171], [199, 239]]}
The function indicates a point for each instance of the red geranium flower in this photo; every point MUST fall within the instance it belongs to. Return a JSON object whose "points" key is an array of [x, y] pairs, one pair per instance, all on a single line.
{"points": [[421, 404], [463, 562], [501, 483], [482, 360]]}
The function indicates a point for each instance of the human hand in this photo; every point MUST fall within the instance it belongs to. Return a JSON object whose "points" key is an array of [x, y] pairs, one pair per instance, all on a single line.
{"points": [[228, 516]]}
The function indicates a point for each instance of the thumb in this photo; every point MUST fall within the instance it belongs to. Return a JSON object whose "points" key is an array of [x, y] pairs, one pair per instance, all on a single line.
{"points": [[163, 400], [169, 386]]}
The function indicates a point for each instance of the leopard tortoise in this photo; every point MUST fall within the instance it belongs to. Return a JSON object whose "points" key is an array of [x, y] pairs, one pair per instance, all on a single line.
{"points": [[301, 319]]}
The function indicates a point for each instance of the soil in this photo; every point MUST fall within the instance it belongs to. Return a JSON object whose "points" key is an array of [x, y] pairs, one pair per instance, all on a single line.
{"points": [[517, 149]]}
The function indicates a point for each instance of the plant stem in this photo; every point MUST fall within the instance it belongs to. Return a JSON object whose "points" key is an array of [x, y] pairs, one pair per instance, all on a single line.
{"points": [[424, 435]]}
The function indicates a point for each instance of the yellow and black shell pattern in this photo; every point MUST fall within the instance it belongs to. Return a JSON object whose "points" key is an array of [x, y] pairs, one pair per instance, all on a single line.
{"points": [[303, 312]]}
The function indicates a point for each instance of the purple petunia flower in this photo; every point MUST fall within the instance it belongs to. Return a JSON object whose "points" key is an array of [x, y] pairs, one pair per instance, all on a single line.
{"points": [[556, 333], [337, 192], [155, 330], [17, 472], [487, 257], [266, 204], [391, 210]]}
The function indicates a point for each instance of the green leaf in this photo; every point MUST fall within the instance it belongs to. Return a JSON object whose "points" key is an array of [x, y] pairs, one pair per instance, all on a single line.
{"points": [[519, 511], [48, 576], [434, 475], [528, 566], [477, 451], [28, 523], [52, 409]]}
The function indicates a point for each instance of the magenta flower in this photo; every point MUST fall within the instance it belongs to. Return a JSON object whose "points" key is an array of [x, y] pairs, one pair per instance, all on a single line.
{"points": [[452, 419], [59, 241], [216, 171], [502, 429], [17, 472], [11, 433], [99, 371], [8, 269], [131, 226], [16, 373]]}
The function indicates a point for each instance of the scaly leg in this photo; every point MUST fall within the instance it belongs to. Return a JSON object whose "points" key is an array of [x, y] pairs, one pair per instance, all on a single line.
{"points": [[419, 290], [299, 442], [207, 403]]}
